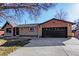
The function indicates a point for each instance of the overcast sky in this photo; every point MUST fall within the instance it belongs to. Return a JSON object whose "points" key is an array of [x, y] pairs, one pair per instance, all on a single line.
{"points": [[71, 9]]}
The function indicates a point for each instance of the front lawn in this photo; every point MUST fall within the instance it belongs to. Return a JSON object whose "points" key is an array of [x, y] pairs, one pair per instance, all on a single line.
{"points": [[4, 51], [8, 46]]}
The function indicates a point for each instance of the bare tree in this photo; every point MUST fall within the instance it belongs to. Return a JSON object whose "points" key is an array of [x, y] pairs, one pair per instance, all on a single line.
{"points": [[76, 23], [61, 14], [33, 9]]}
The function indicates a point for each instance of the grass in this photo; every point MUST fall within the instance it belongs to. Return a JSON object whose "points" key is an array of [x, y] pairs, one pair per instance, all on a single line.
{"points": [[8, 46], [2, 41], [4, 51]]}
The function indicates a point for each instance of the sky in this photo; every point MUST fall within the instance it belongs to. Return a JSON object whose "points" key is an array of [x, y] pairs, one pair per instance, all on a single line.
{"points": [[71, 9]]}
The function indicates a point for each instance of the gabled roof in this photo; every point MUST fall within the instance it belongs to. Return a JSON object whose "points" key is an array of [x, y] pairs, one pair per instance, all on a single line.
{"points": [[58, 20], [13, 24]]}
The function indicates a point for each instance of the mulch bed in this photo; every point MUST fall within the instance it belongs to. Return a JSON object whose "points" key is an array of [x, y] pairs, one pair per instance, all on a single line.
{"points": [[16, 43]]}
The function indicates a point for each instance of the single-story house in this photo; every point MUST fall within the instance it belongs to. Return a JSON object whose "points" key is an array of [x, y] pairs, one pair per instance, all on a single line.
{"points": [[51, 28]]}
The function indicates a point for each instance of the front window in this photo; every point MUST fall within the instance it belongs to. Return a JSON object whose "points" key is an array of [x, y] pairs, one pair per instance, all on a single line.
{"points": [[8, 30], [32, 29]]}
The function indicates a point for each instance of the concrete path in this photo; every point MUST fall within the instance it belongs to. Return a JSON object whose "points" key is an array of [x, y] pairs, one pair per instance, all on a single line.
{"points": [[40, 51], [71, 50], [47, 42], [49, 47]]}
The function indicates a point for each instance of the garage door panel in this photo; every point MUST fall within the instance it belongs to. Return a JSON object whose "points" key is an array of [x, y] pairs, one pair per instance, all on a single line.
{"points": [[54, 32]]}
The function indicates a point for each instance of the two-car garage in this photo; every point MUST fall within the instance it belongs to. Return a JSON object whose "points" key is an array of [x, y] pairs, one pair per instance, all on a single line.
{"points": [[54, 32], [57, 28]]}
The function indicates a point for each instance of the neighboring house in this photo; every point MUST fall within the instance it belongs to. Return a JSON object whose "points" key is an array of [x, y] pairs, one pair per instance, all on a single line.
{"points": [[50, 28], [73, 30], [76, 32], [1, 32], [73, 33]]}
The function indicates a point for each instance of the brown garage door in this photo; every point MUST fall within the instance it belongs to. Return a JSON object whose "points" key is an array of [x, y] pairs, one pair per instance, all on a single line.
{"points": [[54, 32]]}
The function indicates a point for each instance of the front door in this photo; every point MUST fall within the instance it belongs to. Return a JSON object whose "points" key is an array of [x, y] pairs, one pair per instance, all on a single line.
{"points": [[17, 31], [13, 31]]}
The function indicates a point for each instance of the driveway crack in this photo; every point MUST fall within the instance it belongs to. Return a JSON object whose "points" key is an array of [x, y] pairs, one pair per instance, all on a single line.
{"points": [[64, 50]]}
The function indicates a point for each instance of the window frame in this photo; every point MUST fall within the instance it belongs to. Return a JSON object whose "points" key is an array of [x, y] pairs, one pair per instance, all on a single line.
{"points": [[8, 30], [32, 29]]}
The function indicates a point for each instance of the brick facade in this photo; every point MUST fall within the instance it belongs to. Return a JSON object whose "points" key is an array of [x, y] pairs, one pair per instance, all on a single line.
{"points": [[38, 29]]}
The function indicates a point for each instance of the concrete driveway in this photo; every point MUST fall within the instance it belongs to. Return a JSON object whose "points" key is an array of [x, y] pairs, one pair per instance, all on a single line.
{"points": [[49, 47]]}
